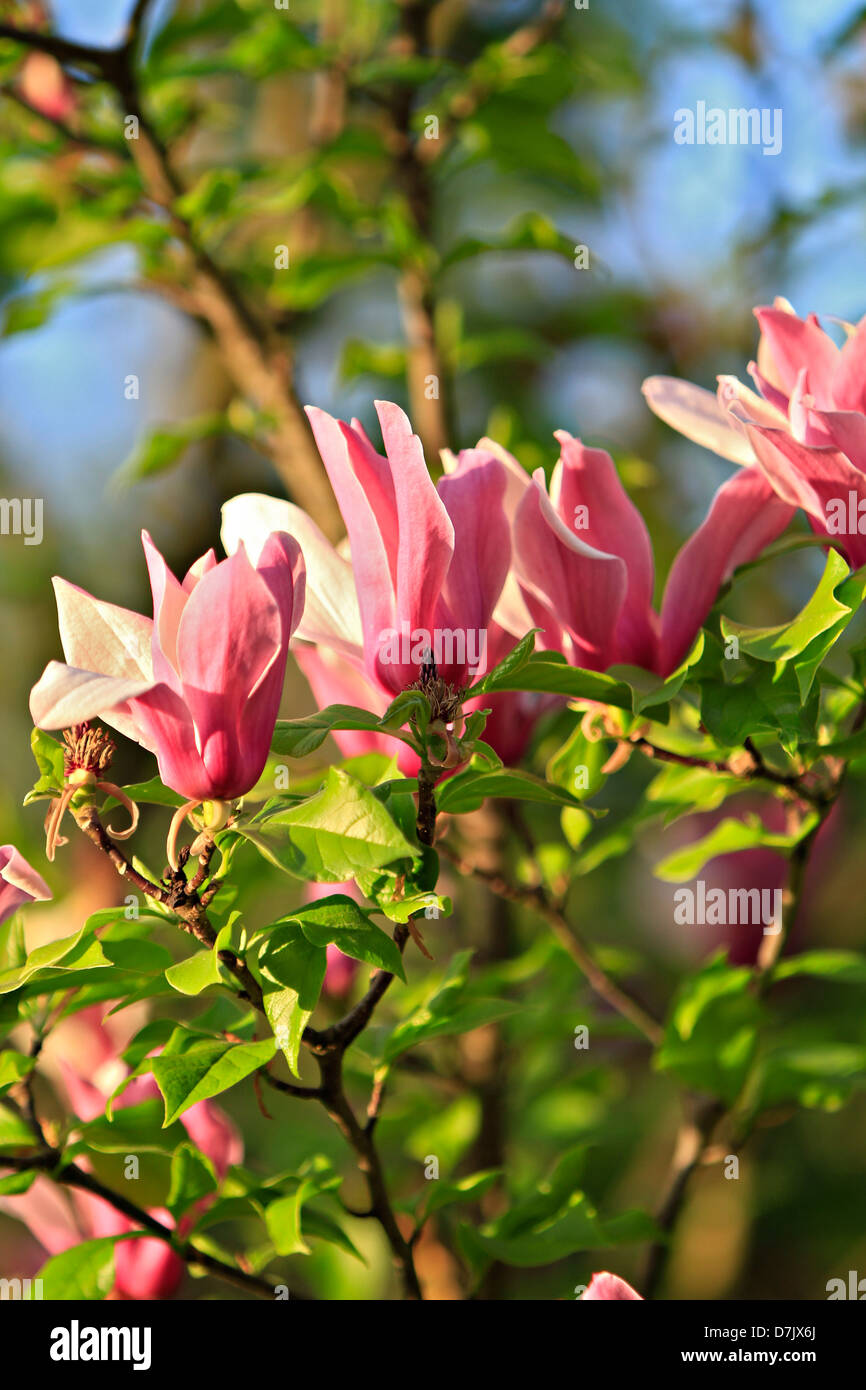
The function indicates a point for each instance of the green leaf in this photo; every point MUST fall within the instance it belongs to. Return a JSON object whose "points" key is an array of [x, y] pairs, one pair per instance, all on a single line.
{"points": [[85, 1272], [318, 1225], [295, 738], [290, 970], [468, 790], [15, 1133], [14, 1066], [578, 1227], [81, 951], [549, 672], [16, 1183], [649, 689], [192, 1068], [577, 765], [48, 753], [816, 1074], [162, 448], [446, 1011], [339, 919], [283, 1220], [132, 1129], [340, 831], [726, 838], [469, 1189], [508, 667], [192, 1177], [152, 793], [843, 967], [822, 612], [710, 1040], [529, 232], [199, 971]]}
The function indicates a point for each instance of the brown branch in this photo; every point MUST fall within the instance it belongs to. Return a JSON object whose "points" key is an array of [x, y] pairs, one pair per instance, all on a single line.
{"points": [[361, 1141], [428, 387], [695, 1135], [257, 362], [70, 1175], [536, 900], [693, 1138], [328, 1046]]}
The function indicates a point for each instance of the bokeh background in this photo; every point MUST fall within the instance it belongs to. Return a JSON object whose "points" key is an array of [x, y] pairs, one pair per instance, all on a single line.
{"points": [[573, 145]]}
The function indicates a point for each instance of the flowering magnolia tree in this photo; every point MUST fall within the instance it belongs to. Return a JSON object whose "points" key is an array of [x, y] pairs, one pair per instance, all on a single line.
{"points": [[488, 664]]}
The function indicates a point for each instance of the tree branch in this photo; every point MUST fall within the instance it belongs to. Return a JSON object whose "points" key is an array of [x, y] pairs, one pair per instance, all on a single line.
{"points": [[70, 1175], [258, 363], [536, 900]]}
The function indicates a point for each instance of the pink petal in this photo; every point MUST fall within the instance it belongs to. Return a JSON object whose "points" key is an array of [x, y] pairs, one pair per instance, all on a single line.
{"points": [[213, 1132], [849, 383], [744, 517], [201, 566], [169, 601], [371, 561], [473, 497], [426, 535], [605, 1286], [588, 478], [230, 638], [101, 637], [582, 588], [794, 343], [19, 882], [167, 723], [331, 614], [696, 413], [64, 696], [48, 1214]]}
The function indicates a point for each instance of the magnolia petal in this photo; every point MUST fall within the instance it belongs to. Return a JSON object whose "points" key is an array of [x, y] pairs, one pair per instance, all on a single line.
{"points": [[590, 491], [581, 588], [169, 601], [230, 635], [100, 636], [370, 558], [609, 1286], [473, 497], [19, 882], [64, 696], [426, 535], [794, 343], [331, 614], [696, 413], [166, 720], [744, 517]]}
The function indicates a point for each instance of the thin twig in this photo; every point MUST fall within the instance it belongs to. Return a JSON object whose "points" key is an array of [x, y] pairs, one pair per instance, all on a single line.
{"points": [[536, 900], [70, 1175]]}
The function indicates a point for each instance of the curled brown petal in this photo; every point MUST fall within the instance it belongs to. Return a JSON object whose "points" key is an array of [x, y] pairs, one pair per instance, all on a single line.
{"points": [[619, 757], [53, 838], [111, 789], [174, 830]]}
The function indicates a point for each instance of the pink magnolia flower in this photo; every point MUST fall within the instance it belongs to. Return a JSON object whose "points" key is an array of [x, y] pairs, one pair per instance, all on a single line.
{"points": [[584, 561], [58, 1218], [19, 882], [200, 684], [803, 429], [426, 567], [603, 1286]]}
